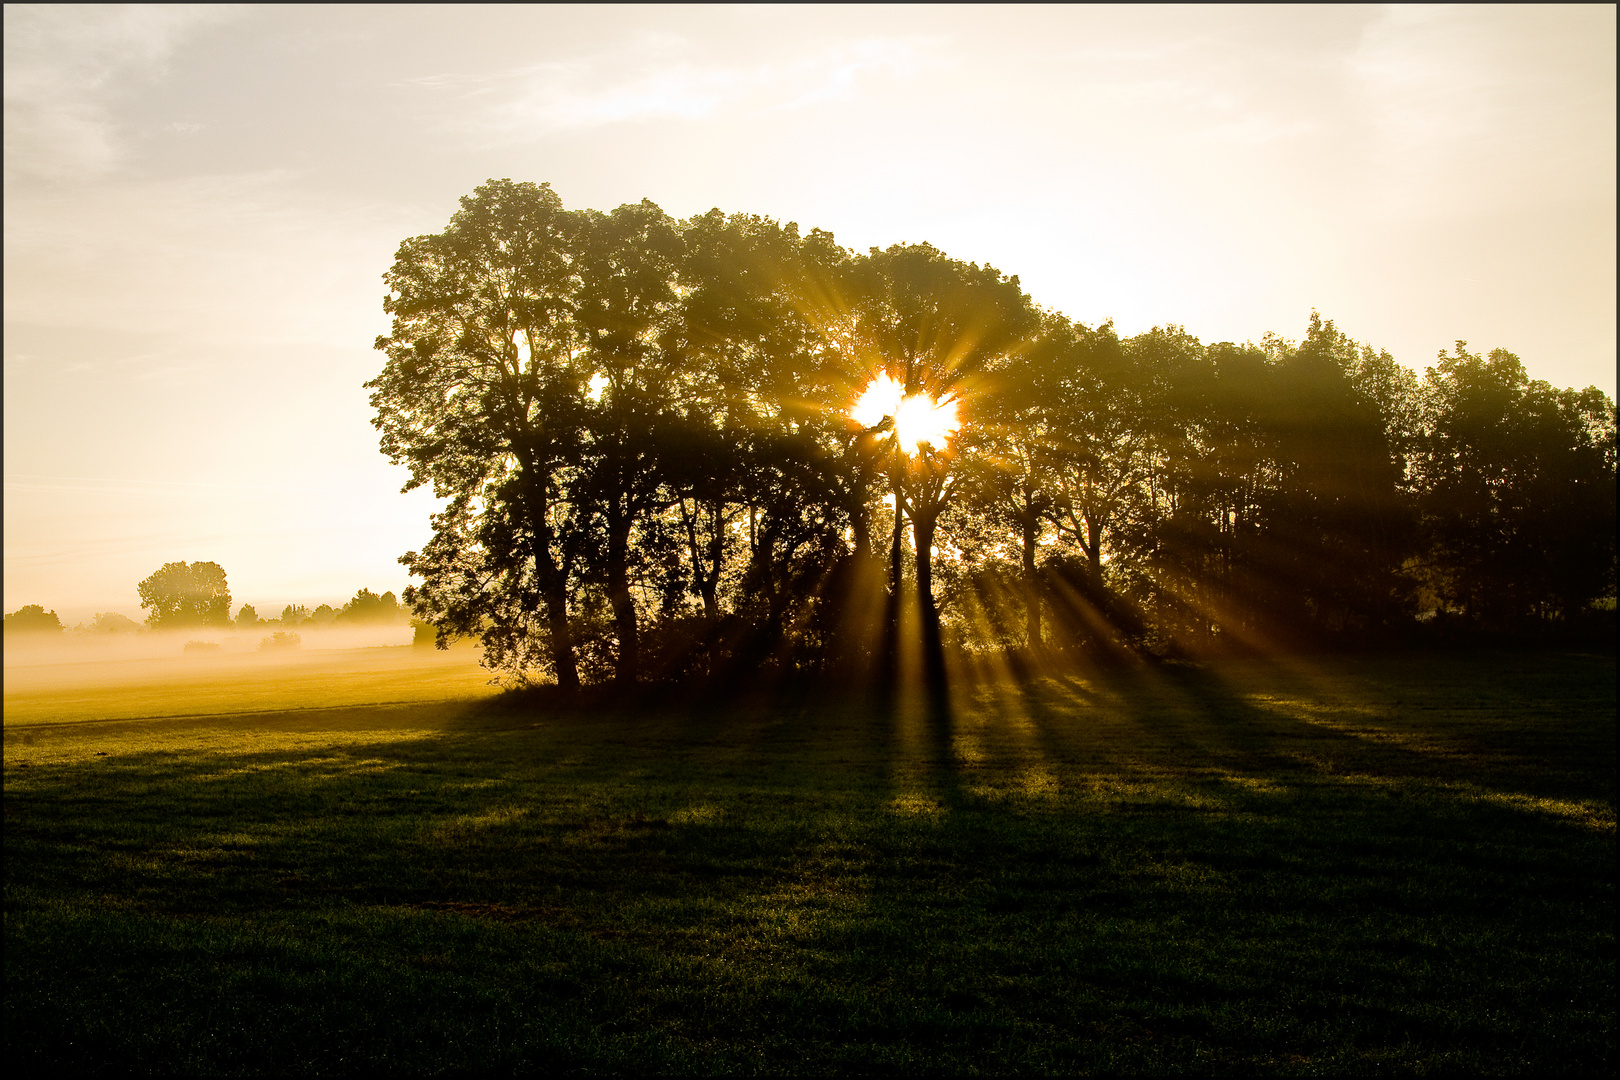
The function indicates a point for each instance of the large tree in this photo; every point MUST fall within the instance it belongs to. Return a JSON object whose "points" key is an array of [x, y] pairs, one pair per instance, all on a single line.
{"points": [[626, 311], [483, 398], [1518, 496], [940, 329]]}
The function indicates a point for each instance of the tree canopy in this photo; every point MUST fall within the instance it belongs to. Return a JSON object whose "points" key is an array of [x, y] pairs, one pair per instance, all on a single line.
{"points": [[697, 449]]}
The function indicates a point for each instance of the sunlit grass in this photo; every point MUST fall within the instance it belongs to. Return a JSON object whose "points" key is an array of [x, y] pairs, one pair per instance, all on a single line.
{"points": [[236, 685], [1391, 865]]}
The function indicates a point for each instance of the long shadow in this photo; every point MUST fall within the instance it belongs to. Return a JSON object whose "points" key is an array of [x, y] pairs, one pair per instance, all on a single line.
{"points": [[749, 858]]}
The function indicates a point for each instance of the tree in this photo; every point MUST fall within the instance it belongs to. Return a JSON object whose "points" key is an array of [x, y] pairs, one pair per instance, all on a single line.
{"points": [[940, 328], [32, 619], [110, 622], [626, 308], [183, 594], [247, 617], [483, 399], [757, 460], [1518, 491]]}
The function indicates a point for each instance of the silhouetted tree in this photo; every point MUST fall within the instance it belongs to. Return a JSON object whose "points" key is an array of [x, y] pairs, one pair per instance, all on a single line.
{"points": [[483, 398], [1518, 492], [625, 310], [941, 327]]}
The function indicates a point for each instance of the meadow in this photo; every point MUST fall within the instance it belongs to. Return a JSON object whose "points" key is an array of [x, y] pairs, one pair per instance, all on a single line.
{"points": [[369, 861]]}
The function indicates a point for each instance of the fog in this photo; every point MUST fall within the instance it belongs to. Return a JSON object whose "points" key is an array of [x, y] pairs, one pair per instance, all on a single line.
{"points": [[80, 648], [79, 678], [40, 664]]}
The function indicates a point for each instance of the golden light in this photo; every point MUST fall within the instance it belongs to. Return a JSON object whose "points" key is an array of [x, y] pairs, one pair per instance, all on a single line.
{"points": [[919, 419], [879, 400]]}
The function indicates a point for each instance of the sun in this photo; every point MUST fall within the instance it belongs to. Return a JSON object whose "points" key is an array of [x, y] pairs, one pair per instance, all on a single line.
{"points": [[919, 419]]}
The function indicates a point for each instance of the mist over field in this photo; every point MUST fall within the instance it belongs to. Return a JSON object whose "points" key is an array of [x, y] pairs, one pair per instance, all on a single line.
{"points": [[37, 651], [151, 675]]}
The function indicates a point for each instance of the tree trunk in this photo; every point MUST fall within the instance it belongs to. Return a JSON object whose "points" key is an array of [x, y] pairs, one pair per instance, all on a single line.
{"points": [[933, 645], [618, 584], [1032, 584], [562, 636], [553, 593], [706, 570], [888, 668], [1093, 546], [717, 554]]}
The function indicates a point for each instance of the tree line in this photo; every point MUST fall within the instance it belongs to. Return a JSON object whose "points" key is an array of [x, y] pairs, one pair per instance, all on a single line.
{"points": [[658, 461], [197, 595], [181, 595]]}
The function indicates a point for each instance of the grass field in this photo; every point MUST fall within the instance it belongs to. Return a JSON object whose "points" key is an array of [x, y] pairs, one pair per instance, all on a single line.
{"points": [[1356, 865]]}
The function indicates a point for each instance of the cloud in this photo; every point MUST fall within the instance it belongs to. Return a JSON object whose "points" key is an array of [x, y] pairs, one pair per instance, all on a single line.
{"points": [[62, 66], [642, 84]]}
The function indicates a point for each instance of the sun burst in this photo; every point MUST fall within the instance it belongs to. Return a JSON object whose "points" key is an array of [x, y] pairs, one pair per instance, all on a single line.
{"points": [[919, 419]]}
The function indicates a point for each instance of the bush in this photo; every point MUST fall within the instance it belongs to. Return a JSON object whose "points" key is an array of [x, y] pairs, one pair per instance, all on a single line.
{"points": [[279, 640]]}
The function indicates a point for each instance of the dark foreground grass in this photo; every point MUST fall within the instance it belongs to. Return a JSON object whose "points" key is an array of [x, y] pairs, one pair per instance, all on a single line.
{"points": [[1364, 866]]}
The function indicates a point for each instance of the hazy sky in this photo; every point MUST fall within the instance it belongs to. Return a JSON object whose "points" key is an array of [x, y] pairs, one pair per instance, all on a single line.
{"points": [[199, 203]]}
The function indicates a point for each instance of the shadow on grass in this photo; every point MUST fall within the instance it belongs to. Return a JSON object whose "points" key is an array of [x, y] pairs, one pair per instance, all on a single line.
{"points": [[1344, 868]]}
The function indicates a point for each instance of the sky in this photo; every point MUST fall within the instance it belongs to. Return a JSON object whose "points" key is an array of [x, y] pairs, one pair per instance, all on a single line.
{"points": [[200, 203]]}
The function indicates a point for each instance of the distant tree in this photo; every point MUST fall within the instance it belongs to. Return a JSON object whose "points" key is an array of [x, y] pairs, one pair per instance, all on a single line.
{"points": [[369, 609], [110, 622], [247, 617], [186, 594], [295, 615], [322, 617], [32, 619]]}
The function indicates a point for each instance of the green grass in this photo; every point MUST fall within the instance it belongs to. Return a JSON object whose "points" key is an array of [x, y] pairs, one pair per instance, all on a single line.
{"points": [[1366, 865]]}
